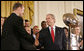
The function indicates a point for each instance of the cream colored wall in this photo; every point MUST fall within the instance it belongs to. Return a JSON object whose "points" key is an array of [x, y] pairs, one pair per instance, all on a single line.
{"points": [[58, 8]]}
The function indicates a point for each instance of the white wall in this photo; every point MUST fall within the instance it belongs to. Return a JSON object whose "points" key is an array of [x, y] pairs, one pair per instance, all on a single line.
{"points": [[58, 8]]}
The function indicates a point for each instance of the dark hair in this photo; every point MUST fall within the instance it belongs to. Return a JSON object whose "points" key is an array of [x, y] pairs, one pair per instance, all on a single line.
{"points": [[76, 26], [43, 22], [4, 18], [16, 5], [27, 21], [51, 15], [65, 28]]}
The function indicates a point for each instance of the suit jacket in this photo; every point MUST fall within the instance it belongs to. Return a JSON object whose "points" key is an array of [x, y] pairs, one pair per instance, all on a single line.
{"points": [[45, 39], [14, 36]]}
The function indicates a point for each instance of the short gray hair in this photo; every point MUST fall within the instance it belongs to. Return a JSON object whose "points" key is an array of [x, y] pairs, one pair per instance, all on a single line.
{"points": [[52, 16]]}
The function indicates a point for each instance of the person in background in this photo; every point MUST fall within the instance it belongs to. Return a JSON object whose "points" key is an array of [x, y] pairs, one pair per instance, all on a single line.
{"points": [[76, 38], [27, 24], [36, 35], [43, 24], [66, 33], [79, 37], [35, 31], [28, 29]]}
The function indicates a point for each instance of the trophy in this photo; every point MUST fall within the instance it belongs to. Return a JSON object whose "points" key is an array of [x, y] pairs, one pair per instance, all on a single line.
{"points": [[71, 21]]}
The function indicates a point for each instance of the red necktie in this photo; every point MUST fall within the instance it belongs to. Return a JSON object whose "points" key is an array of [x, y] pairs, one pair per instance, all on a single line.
{"points": [[52, 34]]}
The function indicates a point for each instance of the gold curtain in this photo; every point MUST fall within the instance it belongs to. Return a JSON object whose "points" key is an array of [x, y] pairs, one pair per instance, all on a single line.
{"points": [[6, 9]]}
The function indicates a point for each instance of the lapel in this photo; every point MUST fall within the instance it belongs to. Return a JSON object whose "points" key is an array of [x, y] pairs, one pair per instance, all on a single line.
{"points": [[56, 33]]}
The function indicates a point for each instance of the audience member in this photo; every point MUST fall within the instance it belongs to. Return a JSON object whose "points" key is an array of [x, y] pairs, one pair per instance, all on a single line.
{"points": [[76, 40], [27, 23], [66, 33], [43, 24], [35, 31], [28, 29]]}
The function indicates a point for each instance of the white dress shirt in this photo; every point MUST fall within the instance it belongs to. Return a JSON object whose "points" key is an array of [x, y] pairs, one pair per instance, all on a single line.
{"points": [[34, 36], [74, 42], [53, 29]]}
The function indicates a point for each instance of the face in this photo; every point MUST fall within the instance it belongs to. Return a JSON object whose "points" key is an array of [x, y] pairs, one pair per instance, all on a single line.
{"points": [[77, 30], [2, 21], [27, 24], [35, 30], [49, 20], [44, 25], [21, 10], [28, 30]]}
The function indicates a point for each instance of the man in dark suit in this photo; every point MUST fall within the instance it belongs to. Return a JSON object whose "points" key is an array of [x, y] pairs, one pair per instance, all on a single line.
{"points": [[14, 35], [52, 37]]}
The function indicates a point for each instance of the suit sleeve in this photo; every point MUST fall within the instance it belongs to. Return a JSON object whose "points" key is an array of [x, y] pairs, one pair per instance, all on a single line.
{"points": [[20, 28], [41, 37], [64, 41]]}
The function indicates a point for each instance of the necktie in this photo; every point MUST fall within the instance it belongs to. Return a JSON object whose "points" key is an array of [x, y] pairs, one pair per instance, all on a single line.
{"points": [[52, 34]]}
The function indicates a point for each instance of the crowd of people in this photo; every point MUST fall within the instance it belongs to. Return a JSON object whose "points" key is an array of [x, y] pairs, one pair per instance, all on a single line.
{"points": [[17, 34]]}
